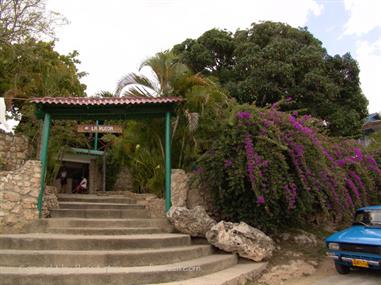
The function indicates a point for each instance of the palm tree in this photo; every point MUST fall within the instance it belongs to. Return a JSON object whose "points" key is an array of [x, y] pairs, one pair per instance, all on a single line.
{"points": [[164, 75], [168, 77]]}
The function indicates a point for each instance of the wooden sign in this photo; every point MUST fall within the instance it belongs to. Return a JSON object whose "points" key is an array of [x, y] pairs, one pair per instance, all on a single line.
{"points": [[110, 129]]}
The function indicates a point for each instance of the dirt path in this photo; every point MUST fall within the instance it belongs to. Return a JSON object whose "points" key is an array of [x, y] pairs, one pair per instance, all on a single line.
{"points": [[326, 275]]}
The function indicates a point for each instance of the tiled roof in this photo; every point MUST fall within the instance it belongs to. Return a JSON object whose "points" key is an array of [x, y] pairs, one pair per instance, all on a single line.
{"points": [[127, 100]]}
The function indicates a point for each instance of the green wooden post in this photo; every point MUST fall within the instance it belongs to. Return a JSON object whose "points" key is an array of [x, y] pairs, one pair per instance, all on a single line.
{"points": [[43, 158], [168, 169], [96, 137]]}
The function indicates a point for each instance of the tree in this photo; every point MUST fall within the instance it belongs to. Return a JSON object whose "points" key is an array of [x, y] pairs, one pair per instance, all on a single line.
{"points": [[168, 77], [23, 19], [271, 62], [142, 147], [34, 69]]}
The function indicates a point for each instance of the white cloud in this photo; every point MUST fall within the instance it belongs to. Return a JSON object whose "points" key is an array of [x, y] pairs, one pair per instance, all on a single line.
{"points": [[369, 58], [364, 16], [115, 36]]}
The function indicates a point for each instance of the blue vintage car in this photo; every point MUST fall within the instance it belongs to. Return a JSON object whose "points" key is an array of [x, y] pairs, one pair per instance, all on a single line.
{"points": [[359, 245]]}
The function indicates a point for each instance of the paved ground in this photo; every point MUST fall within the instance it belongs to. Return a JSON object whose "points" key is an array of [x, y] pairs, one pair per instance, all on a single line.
{"points": [[326, 275]]}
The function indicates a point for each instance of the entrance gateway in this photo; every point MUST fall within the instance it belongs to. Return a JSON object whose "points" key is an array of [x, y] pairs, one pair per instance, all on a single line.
{"points": [[111, 108]]}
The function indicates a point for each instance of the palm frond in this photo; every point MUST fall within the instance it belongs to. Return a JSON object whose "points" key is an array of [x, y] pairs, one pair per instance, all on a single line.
{"points": [[132, 79]]}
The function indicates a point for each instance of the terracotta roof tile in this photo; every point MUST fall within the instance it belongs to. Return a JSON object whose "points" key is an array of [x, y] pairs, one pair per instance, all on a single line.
{"points": [[128, 100]]}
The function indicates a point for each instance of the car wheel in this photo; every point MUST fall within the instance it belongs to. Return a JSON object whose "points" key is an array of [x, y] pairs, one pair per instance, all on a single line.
{"points": [[342, 269]]}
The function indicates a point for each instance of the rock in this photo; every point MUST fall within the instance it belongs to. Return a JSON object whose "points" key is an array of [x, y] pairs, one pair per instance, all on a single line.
{"points": [[179, 188], [11, 196], [243, 239], [50, 200], [195, 222], [280, 273], [124, 180], [301, 238]]}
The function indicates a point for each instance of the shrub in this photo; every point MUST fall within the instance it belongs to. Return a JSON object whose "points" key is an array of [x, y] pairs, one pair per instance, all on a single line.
{"points": [[274, 170]]}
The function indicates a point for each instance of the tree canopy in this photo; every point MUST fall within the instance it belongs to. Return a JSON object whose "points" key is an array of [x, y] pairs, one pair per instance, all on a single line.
{"points": [[270, 62], [24, 19]]}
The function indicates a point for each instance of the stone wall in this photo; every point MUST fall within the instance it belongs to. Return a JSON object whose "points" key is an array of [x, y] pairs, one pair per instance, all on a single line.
{"points": [[18, 196], [50, 200], [14, 151], [123, 180], [187, 192], [95, 177]]}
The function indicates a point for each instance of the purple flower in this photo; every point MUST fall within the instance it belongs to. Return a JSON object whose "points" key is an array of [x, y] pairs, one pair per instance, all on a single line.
{"points": [[291, 193], [261, 200], [358, 153], [249, 148], [341, 162], [243, 115], [199, 170], [288, 99], [359, 182], [228, 163], [352, 187]]}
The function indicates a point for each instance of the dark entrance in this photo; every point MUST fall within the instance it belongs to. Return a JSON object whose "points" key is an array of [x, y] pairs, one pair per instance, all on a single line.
{"points": [[74, 173]]}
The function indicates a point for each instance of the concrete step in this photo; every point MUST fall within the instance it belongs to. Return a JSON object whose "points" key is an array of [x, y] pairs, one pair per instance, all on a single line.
{"points": [[100, 214], [238, 274], [92, 205], [100, 258], [95, 198], [104, 231], [47, 241], [103, 223], [42, 225], [117, 275]]}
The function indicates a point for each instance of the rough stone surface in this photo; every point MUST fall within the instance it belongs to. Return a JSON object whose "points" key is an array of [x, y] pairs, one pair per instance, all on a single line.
{"points": [[243, 239], [281, 273], [14, 151], [95, 177], [195, 222], [155, 206], [186, 191], [179, 188], [50, 200], [123, 180], [18, 195], [301, 238]]}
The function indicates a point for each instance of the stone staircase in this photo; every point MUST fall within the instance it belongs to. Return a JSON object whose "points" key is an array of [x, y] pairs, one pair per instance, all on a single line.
{"points": [[101, 240]]}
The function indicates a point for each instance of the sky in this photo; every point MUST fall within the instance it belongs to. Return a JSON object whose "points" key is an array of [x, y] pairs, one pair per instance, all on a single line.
{"points": [[113, 37]]}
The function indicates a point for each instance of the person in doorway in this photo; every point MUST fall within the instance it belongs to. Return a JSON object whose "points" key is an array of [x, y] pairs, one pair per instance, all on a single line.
{"points": [[82, 186], [63, 177]]}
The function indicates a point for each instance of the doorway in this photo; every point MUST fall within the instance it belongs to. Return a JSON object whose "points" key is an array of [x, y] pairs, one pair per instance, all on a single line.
{"points": [[75, 171]]}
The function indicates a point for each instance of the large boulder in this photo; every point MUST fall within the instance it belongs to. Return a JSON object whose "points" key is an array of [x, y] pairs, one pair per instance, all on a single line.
{"points": [[179, 188], [241, 238], [195, 222]]}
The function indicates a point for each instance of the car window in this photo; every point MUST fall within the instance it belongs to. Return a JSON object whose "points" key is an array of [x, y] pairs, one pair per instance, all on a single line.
{"points": [[375, 217], [371, 217]]}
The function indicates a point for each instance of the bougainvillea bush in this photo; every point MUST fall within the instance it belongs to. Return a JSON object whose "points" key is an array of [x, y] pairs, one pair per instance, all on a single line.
{"points": [[275, 170]]}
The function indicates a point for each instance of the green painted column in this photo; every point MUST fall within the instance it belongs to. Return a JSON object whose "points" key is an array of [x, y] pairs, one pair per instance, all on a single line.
{"points": [[96, 137], [43, 158], [168, 168]]}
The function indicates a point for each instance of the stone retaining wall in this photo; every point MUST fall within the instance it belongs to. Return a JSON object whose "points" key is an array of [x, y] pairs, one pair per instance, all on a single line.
{"points": [[123, 180], [14, 151], [18, 196], [187, 192]]}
